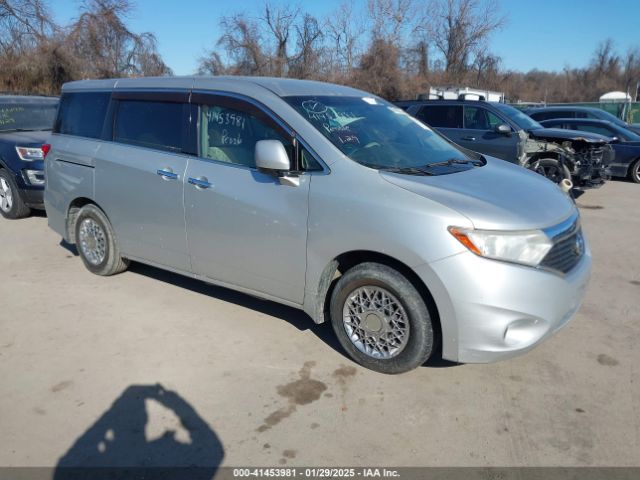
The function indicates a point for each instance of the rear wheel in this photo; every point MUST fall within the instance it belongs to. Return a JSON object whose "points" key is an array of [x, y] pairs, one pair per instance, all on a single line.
{"points": [[380, 319], [634, 171], [11, 204], [96, 243], [551, 169]]}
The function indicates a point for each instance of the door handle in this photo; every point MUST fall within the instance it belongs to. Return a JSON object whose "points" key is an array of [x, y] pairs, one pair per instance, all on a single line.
{"points": [[200, 182], [167, 174], [471, 139]]}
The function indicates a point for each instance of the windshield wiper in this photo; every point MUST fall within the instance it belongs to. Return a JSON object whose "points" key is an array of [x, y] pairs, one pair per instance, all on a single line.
{"points": [[407, 170], [455, 161]]}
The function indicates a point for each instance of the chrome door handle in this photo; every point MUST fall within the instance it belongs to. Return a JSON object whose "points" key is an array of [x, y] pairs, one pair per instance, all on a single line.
{"points": [[167, 174], [471, 139], [200, 182]]}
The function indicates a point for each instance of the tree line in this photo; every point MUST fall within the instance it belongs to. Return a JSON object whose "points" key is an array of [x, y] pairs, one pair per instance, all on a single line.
{"points": [[394, 48]]}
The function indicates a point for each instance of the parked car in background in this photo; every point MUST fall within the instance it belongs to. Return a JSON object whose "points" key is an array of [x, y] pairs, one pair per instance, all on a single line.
{"points": [[324, 198], [25, 126], [504, 132], [548, 113], [626, 143]]}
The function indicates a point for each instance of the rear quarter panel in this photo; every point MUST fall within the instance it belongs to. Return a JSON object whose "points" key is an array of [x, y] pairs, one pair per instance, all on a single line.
{"points": [[70, 175]]}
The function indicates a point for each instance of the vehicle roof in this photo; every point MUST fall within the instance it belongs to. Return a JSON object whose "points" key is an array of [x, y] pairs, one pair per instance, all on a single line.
{"points": [[245, 85], [27, 99], [577, 120], [443, 101], [560, 107]]}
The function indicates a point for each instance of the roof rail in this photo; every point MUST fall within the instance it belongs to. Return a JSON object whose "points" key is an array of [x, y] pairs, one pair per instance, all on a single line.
{"points": [[463, 96]]}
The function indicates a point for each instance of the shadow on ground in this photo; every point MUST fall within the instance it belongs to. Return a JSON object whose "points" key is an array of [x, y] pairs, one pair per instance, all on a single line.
{"points": [[293, 316], [120, 444]]}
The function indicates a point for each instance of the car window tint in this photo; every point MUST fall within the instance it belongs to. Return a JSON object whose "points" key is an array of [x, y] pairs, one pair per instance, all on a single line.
{"points": [[229, 135], [308, 162], [82, 114], [155, 125], [478, 118], [442, 116], [596, 129]]}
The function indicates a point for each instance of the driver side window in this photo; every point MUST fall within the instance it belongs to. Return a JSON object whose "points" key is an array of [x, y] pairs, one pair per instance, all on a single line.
{"points": [[229, 135]]}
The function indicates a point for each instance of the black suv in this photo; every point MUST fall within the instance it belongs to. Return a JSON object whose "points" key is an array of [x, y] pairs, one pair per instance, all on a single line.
{"points": [[25, 125], [504, 132]]}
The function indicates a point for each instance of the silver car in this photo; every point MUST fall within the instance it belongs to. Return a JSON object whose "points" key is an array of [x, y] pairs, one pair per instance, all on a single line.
{"points": [[324, 198]]}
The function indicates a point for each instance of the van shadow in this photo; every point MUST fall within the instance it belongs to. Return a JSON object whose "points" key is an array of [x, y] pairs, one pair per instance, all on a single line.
{"points": [[116, 445], [293, 316]]}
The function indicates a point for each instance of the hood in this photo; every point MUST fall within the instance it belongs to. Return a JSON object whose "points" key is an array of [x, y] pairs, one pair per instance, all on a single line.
{"points": [[25, 138], [564, 134], [499, 195]]}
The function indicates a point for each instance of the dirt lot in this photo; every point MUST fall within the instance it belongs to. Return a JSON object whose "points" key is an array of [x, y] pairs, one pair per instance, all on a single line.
{"points": [[103, 370]]}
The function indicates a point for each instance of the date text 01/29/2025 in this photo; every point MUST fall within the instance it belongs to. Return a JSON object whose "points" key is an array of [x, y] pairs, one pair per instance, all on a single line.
{"points": [[292, 472]]}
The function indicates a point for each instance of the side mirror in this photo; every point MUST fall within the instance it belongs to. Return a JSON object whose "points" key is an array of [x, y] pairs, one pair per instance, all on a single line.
{"points": [[503, 129], [615, 140], [271, 156]]}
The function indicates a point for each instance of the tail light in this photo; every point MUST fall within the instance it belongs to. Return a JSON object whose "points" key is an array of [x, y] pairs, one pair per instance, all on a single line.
{"points": [[29, 154]]}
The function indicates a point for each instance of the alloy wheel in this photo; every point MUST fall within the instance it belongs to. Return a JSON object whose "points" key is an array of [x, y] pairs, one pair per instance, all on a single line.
{"points": [[6, 196], [376, 322], [93, 241]]}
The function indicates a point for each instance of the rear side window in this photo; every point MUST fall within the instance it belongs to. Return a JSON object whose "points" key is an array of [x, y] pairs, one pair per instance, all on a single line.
{"points": [[157, 125], [82, 114], [441, 116]]}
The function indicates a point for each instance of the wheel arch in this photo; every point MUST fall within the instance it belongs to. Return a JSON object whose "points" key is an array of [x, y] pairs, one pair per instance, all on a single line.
{"points": [[343, 262], [72, 215]]}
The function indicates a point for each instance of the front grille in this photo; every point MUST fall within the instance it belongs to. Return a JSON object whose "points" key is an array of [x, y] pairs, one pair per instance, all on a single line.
{"points": [[567, 250]]}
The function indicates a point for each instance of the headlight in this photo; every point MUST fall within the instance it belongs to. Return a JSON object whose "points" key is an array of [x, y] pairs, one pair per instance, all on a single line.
{"points": [[29, 154], [525, 247]]}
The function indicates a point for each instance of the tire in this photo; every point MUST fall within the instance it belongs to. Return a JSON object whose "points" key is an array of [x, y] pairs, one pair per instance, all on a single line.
{"points": [[412, 348], [96, 243], [11, 204], [634, 171], [550, 168]]}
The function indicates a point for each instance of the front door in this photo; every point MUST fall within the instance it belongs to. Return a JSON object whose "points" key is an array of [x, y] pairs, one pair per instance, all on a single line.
{"points": [[479, 134], [244, 227]]}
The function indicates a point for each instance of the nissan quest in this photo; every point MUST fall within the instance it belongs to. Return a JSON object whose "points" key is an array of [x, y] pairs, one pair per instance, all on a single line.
{"points": [[324, 198]]}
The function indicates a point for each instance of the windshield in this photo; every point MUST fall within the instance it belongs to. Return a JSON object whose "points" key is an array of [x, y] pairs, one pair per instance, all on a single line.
{"points": [[521, 119], [625, 134], [377, 134], [27, 115], [603, 114]]}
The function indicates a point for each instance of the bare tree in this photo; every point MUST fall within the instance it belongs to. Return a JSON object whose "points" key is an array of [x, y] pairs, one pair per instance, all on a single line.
{"points": [[459, 29], [389, 18], [280, 21], [108, 48], [242, 40], [344, 30], [23, 24], [306, 61]]}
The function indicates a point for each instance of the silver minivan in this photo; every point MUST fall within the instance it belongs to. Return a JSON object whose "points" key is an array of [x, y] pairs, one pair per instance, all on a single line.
{"points": [[324, 198]]}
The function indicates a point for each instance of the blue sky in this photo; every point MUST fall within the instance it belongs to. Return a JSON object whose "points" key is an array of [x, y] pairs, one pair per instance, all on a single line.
{"points": [[543, 34]]}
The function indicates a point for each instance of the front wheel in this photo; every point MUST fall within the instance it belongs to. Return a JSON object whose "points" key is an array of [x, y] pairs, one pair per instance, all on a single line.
{"points": [[381, 320], [551, 169], [96, 243], [634, 172]]}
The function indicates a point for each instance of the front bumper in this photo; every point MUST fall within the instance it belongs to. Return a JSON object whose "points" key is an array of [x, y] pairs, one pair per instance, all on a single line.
{"points": [[492, 310]]}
